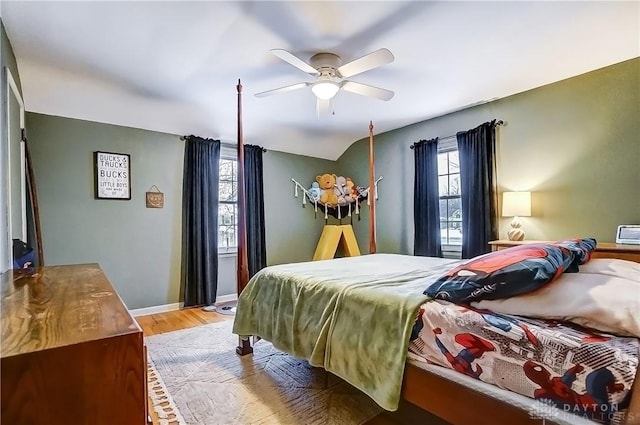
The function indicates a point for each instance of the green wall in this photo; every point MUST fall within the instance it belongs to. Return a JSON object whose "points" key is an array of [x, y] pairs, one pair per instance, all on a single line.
{"points": [[292, 232], [8, 59], [139, 248], [575, 144]]}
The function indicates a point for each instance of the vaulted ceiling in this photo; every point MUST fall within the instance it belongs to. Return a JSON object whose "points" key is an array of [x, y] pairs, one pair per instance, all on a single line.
{"points": [[173, 66]]}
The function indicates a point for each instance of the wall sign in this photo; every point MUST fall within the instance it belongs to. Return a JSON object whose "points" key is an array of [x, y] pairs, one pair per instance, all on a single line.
{"points": [[112, 175], [155, 199]]}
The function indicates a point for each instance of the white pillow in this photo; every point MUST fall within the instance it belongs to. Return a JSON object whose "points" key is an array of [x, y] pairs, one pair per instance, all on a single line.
{"points": [[596, 300], [612, 267]]}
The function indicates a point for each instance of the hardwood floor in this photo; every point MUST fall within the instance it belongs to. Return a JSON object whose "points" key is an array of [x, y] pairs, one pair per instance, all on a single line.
{"points": [[154, 324]]}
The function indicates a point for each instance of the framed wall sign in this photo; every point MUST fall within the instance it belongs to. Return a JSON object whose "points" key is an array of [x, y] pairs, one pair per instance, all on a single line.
{"points": [[155, 199], [112, 175]]}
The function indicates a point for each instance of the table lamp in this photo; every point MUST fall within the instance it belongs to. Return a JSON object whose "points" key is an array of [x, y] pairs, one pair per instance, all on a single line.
{"points": [[516, 204]]}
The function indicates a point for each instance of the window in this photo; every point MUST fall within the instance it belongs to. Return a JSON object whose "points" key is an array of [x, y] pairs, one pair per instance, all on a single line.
{"points": [[228, 206], [450, 202]]}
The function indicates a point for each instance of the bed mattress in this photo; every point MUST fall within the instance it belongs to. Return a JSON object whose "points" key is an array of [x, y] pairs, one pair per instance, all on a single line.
{"points": [[536, 409], [570, 370]]}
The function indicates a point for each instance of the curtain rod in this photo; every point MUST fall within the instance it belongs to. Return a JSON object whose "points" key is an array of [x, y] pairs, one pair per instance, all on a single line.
{"points": [[498, 123], [225, 144]]}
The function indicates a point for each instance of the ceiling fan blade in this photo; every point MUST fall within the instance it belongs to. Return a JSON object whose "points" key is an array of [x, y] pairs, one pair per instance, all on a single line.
{"points": [[323, 107], [367, 90], [365, 63], [282, 89], [294, 60]]}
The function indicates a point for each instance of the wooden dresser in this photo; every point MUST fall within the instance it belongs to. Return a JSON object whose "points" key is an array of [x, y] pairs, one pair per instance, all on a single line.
{"points": [[71, 352], [603, 249]]}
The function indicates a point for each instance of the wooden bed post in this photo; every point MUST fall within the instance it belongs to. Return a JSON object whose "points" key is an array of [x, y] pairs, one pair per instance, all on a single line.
{"points": [[244, 346], [372, 195], [243, 267]]}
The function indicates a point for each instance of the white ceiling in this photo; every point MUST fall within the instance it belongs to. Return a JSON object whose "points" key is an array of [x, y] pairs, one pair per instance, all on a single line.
{"points": [[173, 66]]}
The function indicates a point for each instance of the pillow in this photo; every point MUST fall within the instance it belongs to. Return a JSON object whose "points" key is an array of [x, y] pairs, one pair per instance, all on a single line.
{"points": [[502, 274], [603, 302], [581, 248], [613, 267]]}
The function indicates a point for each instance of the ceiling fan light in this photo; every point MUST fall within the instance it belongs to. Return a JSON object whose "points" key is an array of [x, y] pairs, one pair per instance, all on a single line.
{"points": [[325, 90]]}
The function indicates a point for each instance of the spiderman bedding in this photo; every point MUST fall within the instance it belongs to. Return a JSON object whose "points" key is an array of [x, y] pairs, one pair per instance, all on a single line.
{"points": [[578, 371]]}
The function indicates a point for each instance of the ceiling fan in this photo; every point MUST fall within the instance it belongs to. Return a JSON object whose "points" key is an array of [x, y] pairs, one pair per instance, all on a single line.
{"points": [[330, 76]]}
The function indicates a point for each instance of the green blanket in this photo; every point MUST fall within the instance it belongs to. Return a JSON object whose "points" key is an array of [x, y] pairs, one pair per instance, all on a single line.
{"points": [[352, 316]]}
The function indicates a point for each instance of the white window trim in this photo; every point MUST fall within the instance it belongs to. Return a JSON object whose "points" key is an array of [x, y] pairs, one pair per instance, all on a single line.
{"points": [[452, 248], [228, 153], [445, 145], [228, 252]]}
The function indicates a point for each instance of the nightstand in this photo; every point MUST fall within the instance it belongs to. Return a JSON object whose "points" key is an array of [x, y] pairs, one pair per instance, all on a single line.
{"points": [[603, 250]]}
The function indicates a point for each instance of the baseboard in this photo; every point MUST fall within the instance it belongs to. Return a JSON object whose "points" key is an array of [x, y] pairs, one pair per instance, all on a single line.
{"points": [[176, 306], [226, 298], [156, 309]]}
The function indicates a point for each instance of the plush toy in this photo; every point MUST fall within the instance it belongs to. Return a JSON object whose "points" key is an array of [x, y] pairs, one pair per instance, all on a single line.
{"points": [[327, 183], [314, 192], [353, 190], [342, 191]]}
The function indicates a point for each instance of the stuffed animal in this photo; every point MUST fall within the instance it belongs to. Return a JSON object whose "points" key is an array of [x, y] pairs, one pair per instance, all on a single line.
{"points": [[353, 190], [314, 192], [327, 183], [342, 191]]}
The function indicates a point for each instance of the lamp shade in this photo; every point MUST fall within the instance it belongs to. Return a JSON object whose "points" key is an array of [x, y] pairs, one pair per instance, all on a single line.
{"points": [[516, 204], [325, 90]]}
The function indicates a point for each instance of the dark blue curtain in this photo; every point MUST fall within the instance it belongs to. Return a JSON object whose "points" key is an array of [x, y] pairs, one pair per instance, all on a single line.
{"points": [[426, 208], [200, 221], [477, 151], [254, 199]]}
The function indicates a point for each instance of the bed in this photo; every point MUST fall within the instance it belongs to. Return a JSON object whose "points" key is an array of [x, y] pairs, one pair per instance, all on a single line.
{"points": [[370, 308]]}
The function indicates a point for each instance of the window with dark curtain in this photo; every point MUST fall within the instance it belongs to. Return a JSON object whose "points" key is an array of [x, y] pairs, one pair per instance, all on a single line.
{"points": [[199, 272], [477, 152], [228, 208], [426, 209], [254, 198], [450, 197]]}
